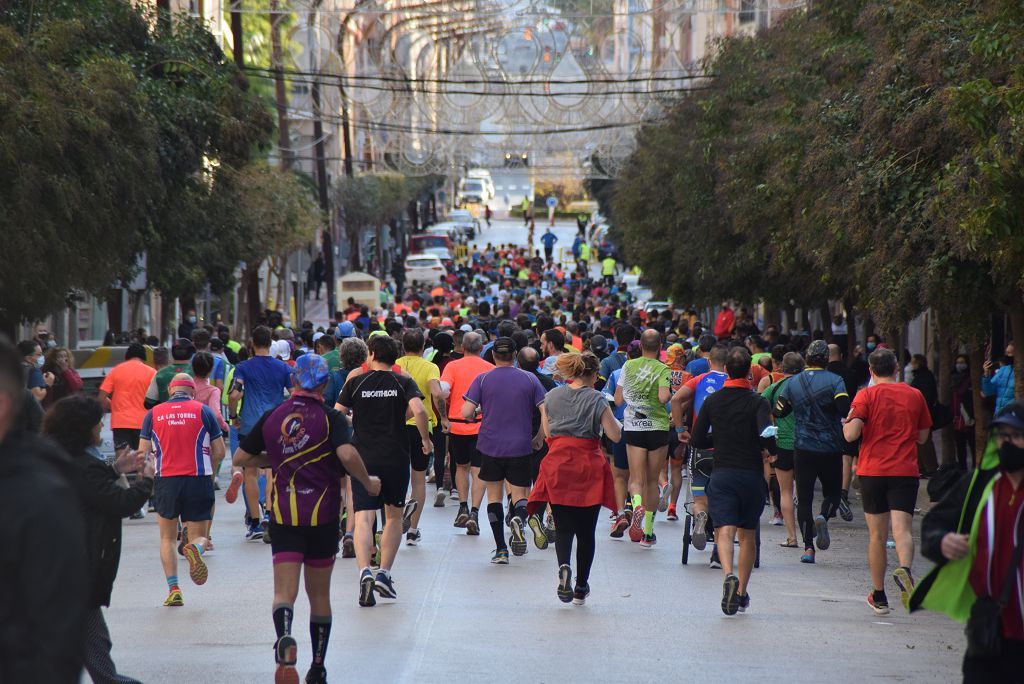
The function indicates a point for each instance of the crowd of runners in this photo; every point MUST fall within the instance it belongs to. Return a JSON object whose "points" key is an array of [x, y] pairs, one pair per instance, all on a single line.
{"points": [[539, 387]]}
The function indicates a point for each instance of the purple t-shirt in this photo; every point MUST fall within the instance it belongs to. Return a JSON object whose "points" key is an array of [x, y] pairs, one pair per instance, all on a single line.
{"points": [[506, 397], [301, 437]]}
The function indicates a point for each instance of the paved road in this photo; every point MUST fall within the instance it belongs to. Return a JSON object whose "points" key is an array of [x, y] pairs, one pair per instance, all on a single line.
{"points": [[460, 619]]}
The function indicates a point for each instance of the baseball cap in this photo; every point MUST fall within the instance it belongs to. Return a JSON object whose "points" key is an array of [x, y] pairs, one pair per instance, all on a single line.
{"points": [[817, 349], [317, 336], [345, 329], [504, 345], [310, 371], [281, 349], [182, 382], [375, 333], [466, 327], [598, 343], [606, 321], [1012, 415]]}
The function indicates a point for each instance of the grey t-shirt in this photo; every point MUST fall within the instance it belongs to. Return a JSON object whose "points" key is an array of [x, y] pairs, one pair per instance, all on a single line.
{"points": [[575, 412]]}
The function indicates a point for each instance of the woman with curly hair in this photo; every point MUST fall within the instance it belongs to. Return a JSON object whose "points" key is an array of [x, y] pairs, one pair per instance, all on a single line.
{"points": [[74, 422], [574, 476], [67, 381]]}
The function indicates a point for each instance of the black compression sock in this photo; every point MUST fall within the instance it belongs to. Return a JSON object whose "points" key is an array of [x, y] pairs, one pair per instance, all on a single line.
{"points": [[283, 613], [496, 516], [319, 635], [520, 511]]}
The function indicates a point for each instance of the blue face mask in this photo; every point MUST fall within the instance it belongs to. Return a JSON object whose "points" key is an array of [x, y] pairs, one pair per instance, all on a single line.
{"points": [[95, 453], [871, 346], [40, 361]]}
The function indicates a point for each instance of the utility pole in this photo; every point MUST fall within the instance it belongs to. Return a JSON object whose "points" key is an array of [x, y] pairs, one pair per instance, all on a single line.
{"points": [[326, 239], [237, 35]]}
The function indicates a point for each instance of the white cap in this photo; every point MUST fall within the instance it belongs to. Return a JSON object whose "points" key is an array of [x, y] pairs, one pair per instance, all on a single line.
{"points": [[466, 327], [317, 336], [281, 349]]}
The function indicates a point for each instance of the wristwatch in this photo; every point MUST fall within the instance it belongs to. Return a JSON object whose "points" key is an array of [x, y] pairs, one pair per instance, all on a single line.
{"points": [[680, 430]]}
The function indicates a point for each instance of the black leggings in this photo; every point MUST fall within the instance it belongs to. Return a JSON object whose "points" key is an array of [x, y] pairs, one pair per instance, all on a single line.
{"points": [[581, 523], [440, 441], [810, 466]]}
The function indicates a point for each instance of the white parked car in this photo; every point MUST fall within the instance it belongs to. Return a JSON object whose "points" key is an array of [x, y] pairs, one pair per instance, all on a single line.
{"points": [[424, 268]]}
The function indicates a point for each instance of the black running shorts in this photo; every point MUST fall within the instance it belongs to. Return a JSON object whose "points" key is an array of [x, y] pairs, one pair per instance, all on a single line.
{"points": [[881, 493], [417, 458], [516, 470], [463, 449], [394, 485], [784, 460], [736, 497], [304, 543], [652, 440], [189, 497]]}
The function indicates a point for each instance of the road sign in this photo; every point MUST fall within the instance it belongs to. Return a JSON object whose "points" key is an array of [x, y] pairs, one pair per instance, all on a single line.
{"points": [[552, 202]]}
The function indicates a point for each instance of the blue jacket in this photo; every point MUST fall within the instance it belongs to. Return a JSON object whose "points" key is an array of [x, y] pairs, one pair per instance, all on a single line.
{"points": [[1000, 385]]}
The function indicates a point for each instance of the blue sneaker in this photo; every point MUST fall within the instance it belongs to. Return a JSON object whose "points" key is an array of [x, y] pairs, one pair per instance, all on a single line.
{"points": [[385, 586], [366, 587]]}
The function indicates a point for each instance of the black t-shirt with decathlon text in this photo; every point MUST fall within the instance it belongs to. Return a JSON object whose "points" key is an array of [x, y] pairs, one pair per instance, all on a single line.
{"points": [[378, 401]]}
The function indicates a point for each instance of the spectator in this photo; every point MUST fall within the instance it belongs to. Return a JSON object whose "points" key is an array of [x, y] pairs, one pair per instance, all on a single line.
{"points": [[36, 380], [963, 412], [74, 422], [997, 382], [67, 381]]}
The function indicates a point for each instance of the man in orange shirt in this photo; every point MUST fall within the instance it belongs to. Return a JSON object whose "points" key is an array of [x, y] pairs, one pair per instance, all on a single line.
{"points": [[123, 393], [459, 375]]}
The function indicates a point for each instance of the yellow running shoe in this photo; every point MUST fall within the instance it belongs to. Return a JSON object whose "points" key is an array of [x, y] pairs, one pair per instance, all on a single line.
{"points": [[174, 598], [196, 566]]}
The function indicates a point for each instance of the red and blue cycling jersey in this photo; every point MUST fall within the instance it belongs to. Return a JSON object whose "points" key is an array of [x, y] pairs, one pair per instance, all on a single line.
{"points": [[181, 430]]}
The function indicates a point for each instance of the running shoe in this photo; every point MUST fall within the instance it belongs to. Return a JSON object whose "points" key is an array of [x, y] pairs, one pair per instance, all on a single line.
{"points": [[905, 583], [473, 525], [196, 566], [636, 527], [366, 587], [317, 674], [254, 533], [265, 528], [649, 540], [730, 595], [500, 557], [174, 598], [808, 556], [286, 654], [580, 593], [137, 515], [777, 520], [663, 492], [549, 528], [540, 537], [699, 535], [672, 514], [462, 517], [439, 499], [385, 586], [413, 537], [715, 563], [410, 507], [376, 552], [620, 525], [231, 495], [564, 590], [821, 532], [150, 508], [744, 603], [878, 602], [844, 509], [517, 540], [348, 547]]}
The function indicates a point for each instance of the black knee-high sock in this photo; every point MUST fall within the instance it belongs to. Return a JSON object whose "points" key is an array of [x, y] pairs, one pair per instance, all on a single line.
{"points": [[283, 613], [520, 510], [319, 635], [496, 516]]}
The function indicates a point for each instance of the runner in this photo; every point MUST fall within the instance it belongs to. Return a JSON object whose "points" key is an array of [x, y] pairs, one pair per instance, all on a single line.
{"points": [[306, 444], [575, 478], [818, 400], [379, 402], [644, 388], [670, 488], [459, 374], [262, 380], [506, 397], [184, 437], [686, 404], [428, 380], [891, 418], [741, 425], [782, 460], [620, 459], [123, 393]]}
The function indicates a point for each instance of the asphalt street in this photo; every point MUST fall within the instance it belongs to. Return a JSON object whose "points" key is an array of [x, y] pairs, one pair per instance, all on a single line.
{"points": [[458, 618]]}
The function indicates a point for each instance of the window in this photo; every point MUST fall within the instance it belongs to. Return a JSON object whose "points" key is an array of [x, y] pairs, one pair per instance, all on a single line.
{"points": [[748, 11]]}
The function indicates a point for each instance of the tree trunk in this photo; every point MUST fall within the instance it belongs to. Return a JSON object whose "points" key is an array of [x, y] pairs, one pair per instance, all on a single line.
{"points": [[280, 94], [826, 321], [237, 35], [977, 356], [945, 346], [253, 307], [1017, 327], [851, 327]]}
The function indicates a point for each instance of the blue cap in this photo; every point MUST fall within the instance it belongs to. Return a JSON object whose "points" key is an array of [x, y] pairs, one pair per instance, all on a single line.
{"points": [[345, 329], [310, 371], [1012, 416]]}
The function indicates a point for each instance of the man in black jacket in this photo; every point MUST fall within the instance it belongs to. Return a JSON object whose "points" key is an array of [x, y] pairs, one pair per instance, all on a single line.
{"points": [[733, 422], [44, 574]]}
